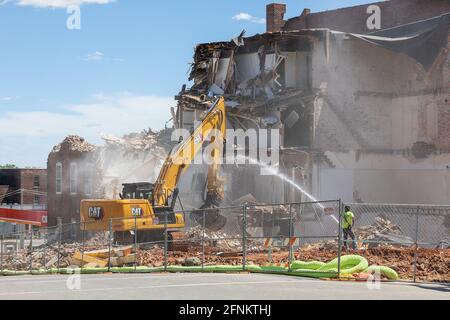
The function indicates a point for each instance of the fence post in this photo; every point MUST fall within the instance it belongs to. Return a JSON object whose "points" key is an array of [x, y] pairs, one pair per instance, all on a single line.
{"points": [[59, 243], [203, 241], [244, 240], [340, 238], [110, 244], [416, 246], [1, 252], [135, 243], [31, 249], [17, 248], [45, 248], [83, 244], [290, 237], [166, 243]]}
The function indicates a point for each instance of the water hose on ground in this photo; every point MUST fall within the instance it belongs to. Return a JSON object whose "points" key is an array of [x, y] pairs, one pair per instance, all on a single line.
{"points": [[350, 265]]}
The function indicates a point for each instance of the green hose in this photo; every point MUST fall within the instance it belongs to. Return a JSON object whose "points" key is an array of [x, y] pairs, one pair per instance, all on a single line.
{"points": [[349, 265], [316, 269], [313, 265], [384, 271]]}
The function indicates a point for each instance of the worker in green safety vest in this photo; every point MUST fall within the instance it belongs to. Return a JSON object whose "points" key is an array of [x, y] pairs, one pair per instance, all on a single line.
{"points": [[347, 226]]}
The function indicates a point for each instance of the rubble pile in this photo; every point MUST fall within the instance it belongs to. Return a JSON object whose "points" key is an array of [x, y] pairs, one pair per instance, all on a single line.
{"points": [[380, 226], [42, 258], [147, 141], [46, 256], [324, 245], [432, 264], [382, 230], [216, 239], [220, 240], [135, 157], [75, 144]]}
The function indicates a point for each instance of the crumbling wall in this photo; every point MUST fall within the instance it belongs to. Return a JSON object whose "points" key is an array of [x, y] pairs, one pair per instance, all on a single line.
{"points": [[375, 99], [376, 103], [357, 81], [332, 93], [101, 170], [66, 204]]}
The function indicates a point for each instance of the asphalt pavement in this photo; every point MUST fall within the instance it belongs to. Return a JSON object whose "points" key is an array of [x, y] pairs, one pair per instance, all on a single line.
{"points": [[206, 287]]}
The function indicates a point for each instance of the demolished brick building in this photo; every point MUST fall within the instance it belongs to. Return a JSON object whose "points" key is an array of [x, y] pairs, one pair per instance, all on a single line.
{"points": [[363, 114], [79, 170], [72, 177]]}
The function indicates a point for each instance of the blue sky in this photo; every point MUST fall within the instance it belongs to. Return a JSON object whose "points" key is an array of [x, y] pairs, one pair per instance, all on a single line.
{"points": [[117, 74]]}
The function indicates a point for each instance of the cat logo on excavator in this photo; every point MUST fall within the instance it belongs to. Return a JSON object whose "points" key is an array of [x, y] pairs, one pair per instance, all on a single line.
{"points": [[95, 213], [136, 212]]}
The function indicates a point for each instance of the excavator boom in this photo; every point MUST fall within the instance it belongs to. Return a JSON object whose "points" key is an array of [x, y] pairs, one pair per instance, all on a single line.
{"points": [[145, 206], [183, 155]]}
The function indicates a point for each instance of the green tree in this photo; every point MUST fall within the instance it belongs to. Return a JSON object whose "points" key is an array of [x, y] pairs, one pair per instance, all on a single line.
{"points": [[8, 166]]}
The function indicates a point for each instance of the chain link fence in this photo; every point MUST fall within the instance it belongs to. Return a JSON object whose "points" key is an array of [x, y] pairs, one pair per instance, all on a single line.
{"points": [[417, 237], [413, 240]]}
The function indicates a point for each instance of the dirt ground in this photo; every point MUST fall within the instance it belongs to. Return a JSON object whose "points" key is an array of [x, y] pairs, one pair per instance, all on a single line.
{"points": [[432, 265]]}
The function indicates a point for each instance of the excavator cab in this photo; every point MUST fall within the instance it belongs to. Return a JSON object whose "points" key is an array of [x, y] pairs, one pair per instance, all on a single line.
{"points": [[142, 190]]}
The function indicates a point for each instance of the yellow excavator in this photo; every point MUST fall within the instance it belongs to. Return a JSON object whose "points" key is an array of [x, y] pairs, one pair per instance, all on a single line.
{"points": [[148, 207]]}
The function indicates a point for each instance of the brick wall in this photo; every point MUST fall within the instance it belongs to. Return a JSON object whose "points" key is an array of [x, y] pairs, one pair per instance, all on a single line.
{"points": [[27, 178], [3, 191], [24, 179], [66, 205], [444, 123], [354, 19], [275, 16]]}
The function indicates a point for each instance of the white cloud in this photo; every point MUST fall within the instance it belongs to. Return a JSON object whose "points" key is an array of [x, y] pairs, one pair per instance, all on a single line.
{"points": [[248, 17], [96, 56], [116, 114], [55, 3], [6, 99]]}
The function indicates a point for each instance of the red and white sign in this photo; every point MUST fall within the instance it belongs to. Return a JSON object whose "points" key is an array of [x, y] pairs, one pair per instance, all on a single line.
{"points": [[35, 218]]}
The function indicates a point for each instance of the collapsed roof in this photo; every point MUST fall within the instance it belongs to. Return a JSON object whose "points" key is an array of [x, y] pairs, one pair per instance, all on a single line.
{"points": [[422, 40], [248, 68]]}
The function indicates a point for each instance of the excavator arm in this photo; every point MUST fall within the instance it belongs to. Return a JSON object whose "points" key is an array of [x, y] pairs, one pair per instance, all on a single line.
{"points": [[143, 212], [183, 156]]}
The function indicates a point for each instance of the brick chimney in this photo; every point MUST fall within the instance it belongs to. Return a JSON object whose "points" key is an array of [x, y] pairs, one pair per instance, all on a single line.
{"points": [[275, 16]]}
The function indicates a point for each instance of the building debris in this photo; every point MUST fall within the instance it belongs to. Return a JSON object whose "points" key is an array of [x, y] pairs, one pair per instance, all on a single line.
{"points": [[382, 231], [74, 144], [133, 158]]}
